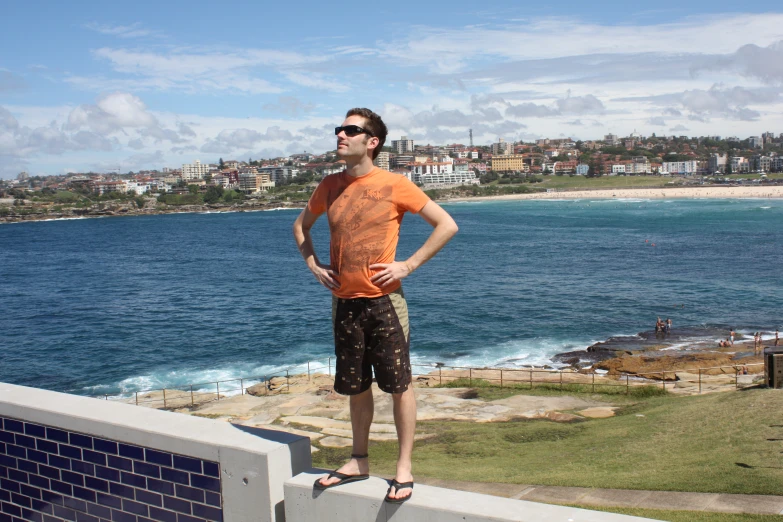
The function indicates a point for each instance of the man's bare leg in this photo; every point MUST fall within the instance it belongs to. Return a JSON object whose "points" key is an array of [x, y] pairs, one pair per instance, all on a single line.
{"points": [[405, 421], [362, 409]]}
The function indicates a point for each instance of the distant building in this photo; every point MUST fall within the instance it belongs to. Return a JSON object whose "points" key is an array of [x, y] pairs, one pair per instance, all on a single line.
{"points": [[250, 182], [510, 163], [449, 178], [279, 173], [429, 167], [382, 161], [762, 163], [402, 145], [502, 148], [195, 170], [739, 165], [756, 142], [582, 169], [681, 167], [717, 164]]}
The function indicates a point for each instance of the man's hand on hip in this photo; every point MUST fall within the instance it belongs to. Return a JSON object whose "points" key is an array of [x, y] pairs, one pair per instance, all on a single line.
{"points": [[325, 275], [389, 273]]}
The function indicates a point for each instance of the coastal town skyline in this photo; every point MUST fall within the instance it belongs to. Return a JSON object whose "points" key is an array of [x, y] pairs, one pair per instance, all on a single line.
{"points": [[111, 90]]}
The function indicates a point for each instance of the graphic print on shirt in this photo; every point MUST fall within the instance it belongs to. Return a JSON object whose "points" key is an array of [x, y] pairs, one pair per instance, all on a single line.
{"points": [[361, 222]]}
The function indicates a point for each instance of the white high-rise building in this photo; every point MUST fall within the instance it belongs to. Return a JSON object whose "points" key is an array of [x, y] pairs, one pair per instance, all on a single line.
{"points": [[195, 170], [402, 145]]}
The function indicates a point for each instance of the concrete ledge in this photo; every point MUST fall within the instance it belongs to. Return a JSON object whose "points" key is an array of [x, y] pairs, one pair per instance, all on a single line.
{"points": [[253, 462], [363, 501]]}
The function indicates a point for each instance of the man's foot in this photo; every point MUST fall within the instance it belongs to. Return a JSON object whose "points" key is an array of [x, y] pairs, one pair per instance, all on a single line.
{"points": [[358, 468], [399, 491]]}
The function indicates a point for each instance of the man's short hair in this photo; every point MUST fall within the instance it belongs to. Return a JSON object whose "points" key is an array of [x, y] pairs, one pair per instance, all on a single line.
{"points": [[374, 124]]}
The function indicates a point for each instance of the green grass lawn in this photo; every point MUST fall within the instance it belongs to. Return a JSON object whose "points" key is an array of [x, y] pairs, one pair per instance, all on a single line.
{"points": [[720, 443], [688, 516], [608, 182]]}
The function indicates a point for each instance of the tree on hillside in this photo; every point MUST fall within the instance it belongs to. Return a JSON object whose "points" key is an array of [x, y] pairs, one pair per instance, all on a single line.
{"points": [[221, 164]]}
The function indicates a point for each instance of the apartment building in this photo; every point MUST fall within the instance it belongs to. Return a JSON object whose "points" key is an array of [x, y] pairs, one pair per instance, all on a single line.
{"points": [[382, 161], [402, 145], [250, 182], [429, 167], [762, 163], [502, 148], [195, 170], [105, 187], [681, 167], [510, 163], [279, 173], [739, 165], [449, 178], [717, 163]]}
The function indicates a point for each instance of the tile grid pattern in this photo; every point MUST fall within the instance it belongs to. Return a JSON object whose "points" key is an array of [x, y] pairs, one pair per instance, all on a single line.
{"points": [[49, 474]]}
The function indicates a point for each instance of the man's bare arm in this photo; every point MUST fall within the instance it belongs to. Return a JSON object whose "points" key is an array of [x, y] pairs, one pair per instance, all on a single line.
{"points": [[323, 273], [443, 230]]}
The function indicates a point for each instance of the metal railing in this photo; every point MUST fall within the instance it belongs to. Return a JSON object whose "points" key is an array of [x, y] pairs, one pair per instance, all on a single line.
{"points": [[501, 376], [190, 395]]}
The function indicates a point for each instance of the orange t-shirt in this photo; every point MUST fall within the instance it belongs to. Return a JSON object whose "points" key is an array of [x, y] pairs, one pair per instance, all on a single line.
{"points": [[364, 215]]}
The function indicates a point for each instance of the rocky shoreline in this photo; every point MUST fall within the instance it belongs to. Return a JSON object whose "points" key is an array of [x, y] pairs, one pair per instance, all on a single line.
{"points": [[659, 356], [129, 209]]}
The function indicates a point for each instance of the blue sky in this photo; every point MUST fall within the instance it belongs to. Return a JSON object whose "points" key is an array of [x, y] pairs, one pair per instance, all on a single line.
{"points": [[106, 85]]}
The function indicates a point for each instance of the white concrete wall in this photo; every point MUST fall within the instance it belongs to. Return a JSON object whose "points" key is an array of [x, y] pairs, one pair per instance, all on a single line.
{"points": [[363, 502], [254, 463]]}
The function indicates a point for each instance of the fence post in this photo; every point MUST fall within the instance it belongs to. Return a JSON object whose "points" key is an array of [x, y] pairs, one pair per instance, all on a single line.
{"points": [[164, 397], [470, 376], [218, 390], [267, 385], [561, 380], [663, 380], [192, 403], [330, 366], [627, 384], [736, 378], [440, 375], [501, 379], [242, 385], [594, 381], [308, 370], [531, 378], [287, 382], [699, 380], [137, 398]]}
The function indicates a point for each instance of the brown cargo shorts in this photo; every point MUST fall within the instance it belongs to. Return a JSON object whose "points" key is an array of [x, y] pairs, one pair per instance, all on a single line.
{"points": [[371, 334]]}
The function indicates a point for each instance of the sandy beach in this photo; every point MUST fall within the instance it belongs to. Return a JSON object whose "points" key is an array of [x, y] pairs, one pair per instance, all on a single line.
{"points": [[710, 192]]}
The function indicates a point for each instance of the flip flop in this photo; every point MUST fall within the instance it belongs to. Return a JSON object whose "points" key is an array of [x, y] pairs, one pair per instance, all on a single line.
{"points": [[344, 479], [398, 486]]}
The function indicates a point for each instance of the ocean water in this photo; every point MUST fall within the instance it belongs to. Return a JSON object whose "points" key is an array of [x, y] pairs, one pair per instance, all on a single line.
{"points": [[116, 305]]}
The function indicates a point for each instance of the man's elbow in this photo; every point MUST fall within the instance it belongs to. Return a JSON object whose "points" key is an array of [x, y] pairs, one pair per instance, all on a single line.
{"points": [[450, 227]]}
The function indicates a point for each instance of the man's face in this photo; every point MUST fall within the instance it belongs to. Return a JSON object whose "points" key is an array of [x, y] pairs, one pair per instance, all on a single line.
{"points": [[356, 146]]}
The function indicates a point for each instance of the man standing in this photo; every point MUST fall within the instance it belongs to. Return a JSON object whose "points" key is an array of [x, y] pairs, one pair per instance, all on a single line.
{"points": [[365, 207]]}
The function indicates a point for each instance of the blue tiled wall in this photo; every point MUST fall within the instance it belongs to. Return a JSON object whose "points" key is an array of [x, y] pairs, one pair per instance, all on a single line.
{"points": [[48, 474]]}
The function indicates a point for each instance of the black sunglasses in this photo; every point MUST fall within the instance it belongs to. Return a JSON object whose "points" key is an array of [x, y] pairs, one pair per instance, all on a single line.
{"points": [[351, 131]]}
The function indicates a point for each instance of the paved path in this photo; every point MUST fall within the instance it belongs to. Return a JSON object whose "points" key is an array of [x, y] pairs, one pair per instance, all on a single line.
{"points": [[667, 500]]}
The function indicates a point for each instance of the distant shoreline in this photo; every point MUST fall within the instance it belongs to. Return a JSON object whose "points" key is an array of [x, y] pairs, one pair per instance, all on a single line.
{"points": [[710, 192]]}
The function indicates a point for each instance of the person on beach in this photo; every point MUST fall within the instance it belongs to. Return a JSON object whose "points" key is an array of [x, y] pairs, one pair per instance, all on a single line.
{"points": [[364, 207], [731, 336], [668, 326], [776, 336]]}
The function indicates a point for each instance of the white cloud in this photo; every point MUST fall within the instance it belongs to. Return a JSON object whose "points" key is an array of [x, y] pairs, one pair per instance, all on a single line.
{"points": [[122, 31]]}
